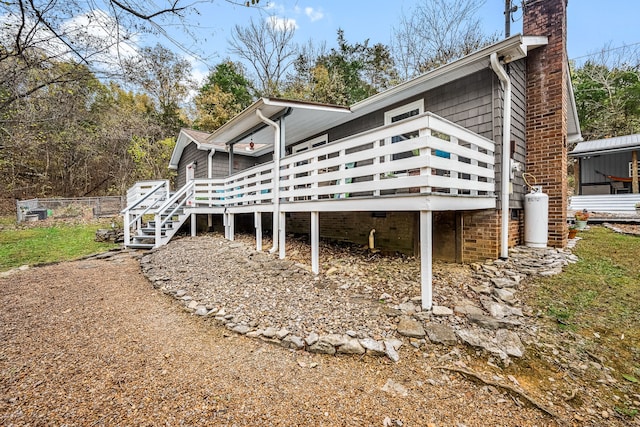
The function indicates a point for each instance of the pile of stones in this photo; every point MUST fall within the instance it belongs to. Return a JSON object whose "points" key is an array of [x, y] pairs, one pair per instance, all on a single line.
{"points": [[487, 315]]}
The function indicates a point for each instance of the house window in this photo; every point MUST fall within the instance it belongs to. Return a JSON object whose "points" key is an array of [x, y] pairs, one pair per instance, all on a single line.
{"points": [[396, 115], [631, 169], [191, 171]]}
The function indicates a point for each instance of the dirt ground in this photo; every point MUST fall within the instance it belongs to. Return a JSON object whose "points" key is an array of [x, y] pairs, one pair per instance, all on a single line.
{"points": [[92, 343]]}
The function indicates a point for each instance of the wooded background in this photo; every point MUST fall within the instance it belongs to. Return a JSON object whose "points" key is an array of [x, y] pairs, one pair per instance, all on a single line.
{"points": [[79, 117]]}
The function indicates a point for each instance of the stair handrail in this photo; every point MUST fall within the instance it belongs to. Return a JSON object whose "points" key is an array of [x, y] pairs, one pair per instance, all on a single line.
{"points": [[145, 197], [173, 199], [159, 223], [188, 186], [126, 212]]}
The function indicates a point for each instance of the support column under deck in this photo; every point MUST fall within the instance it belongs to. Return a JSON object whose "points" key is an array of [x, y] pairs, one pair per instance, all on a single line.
{"points": [[193, 225], [635, 188], [426, 258], [257, 221], [315, 242], [282, 234], [232, 223]]}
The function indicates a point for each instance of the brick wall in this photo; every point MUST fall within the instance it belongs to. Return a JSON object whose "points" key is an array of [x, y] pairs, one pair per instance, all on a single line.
{"points": [[481, 235], [516, 230], [546, 117]]}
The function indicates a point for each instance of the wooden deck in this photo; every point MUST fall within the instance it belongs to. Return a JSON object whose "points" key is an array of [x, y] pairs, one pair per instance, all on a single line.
{"points": [[421, 164]]}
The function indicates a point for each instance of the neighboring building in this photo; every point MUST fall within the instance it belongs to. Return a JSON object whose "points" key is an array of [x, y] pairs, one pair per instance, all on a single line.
{"points": [[606, 172], [427, 164]]}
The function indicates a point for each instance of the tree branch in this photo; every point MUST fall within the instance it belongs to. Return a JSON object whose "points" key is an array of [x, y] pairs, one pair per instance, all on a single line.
{"points": [[172, 10]]}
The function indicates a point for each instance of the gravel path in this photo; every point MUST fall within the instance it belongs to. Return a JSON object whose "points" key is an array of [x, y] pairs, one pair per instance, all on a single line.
{"points": [[92, 343]]}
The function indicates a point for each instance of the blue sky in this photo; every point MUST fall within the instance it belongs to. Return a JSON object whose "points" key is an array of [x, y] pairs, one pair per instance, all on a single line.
{"points": [[592, 23]]}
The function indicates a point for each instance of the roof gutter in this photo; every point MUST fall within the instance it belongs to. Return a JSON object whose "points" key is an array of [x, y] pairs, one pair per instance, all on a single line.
{"points": [[210, 163], [505, 180], [276, 179]]}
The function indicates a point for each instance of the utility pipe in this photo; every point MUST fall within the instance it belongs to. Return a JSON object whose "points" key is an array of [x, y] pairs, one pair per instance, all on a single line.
{"points": [[210, 163], [506, 144], [276, 179], [210, 175]]}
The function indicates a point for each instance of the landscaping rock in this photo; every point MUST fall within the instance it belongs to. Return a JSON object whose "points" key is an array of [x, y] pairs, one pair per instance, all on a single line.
{"points": [[373, 347], [438, 310], [410, 328], [509, 342], [440, 334], [352, 346]]}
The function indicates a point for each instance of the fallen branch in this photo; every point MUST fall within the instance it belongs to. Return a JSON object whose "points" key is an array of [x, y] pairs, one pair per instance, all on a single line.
{"points": [[509, 388]]}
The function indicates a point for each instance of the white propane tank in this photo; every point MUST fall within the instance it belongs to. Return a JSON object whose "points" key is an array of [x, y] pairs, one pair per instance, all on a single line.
{"points": [[536, 218]]}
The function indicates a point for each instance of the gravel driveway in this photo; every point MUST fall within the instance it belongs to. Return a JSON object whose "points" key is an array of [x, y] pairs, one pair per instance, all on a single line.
{"points": [[92, 343]]}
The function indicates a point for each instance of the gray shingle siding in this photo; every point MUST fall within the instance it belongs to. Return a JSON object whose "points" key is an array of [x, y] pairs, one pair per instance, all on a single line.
{"points": [[474, 102], [191, 154], [220, 163], [518, 130]]}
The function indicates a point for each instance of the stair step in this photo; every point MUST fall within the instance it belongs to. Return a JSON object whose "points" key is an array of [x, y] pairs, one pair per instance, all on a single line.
{"points": [[140, 245], [141, 237], [152, 230], [167, 225]]}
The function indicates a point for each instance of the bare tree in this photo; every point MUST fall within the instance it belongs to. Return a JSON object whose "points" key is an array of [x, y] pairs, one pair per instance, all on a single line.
{"points": [[37, 34], [268, 47], [435, 32]]}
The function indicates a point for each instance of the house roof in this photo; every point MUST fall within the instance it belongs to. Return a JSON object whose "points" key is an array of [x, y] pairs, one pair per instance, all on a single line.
{"points": [[188, 136], [607, 145], [304, 120]]}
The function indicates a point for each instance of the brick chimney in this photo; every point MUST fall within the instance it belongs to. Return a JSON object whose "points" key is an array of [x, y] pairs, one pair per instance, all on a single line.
{"points": [[546, 112]]}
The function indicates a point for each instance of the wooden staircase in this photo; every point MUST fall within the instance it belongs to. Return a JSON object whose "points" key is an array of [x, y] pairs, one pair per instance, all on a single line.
{"points": [[167, 210], [145, 237]]}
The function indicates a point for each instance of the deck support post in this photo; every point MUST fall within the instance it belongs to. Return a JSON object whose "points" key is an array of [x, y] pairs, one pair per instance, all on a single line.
{"points": [[282, 234], [158, 236], [232, 223], [315, 242], [193, 225], [209, 221], [127, 228], [426, 258], [225, 225], [257, 221], [635, 188]]}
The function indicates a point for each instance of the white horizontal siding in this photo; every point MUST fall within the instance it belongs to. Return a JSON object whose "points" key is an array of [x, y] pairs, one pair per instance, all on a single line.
{"points": [[607, 203]]}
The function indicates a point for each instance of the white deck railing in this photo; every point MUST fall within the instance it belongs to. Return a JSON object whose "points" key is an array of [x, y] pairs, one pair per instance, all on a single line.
{"points": [[150, 191], [424, 154]]}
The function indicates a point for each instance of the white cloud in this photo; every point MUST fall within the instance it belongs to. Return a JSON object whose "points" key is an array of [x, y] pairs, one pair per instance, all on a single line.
{"points": [[93, 35], [282, 23], [274, 7], [99, 32], [313, 14]]}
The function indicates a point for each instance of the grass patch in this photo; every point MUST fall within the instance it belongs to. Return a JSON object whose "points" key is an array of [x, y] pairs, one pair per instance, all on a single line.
{"points": [[599, 298], [51, 243]]}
